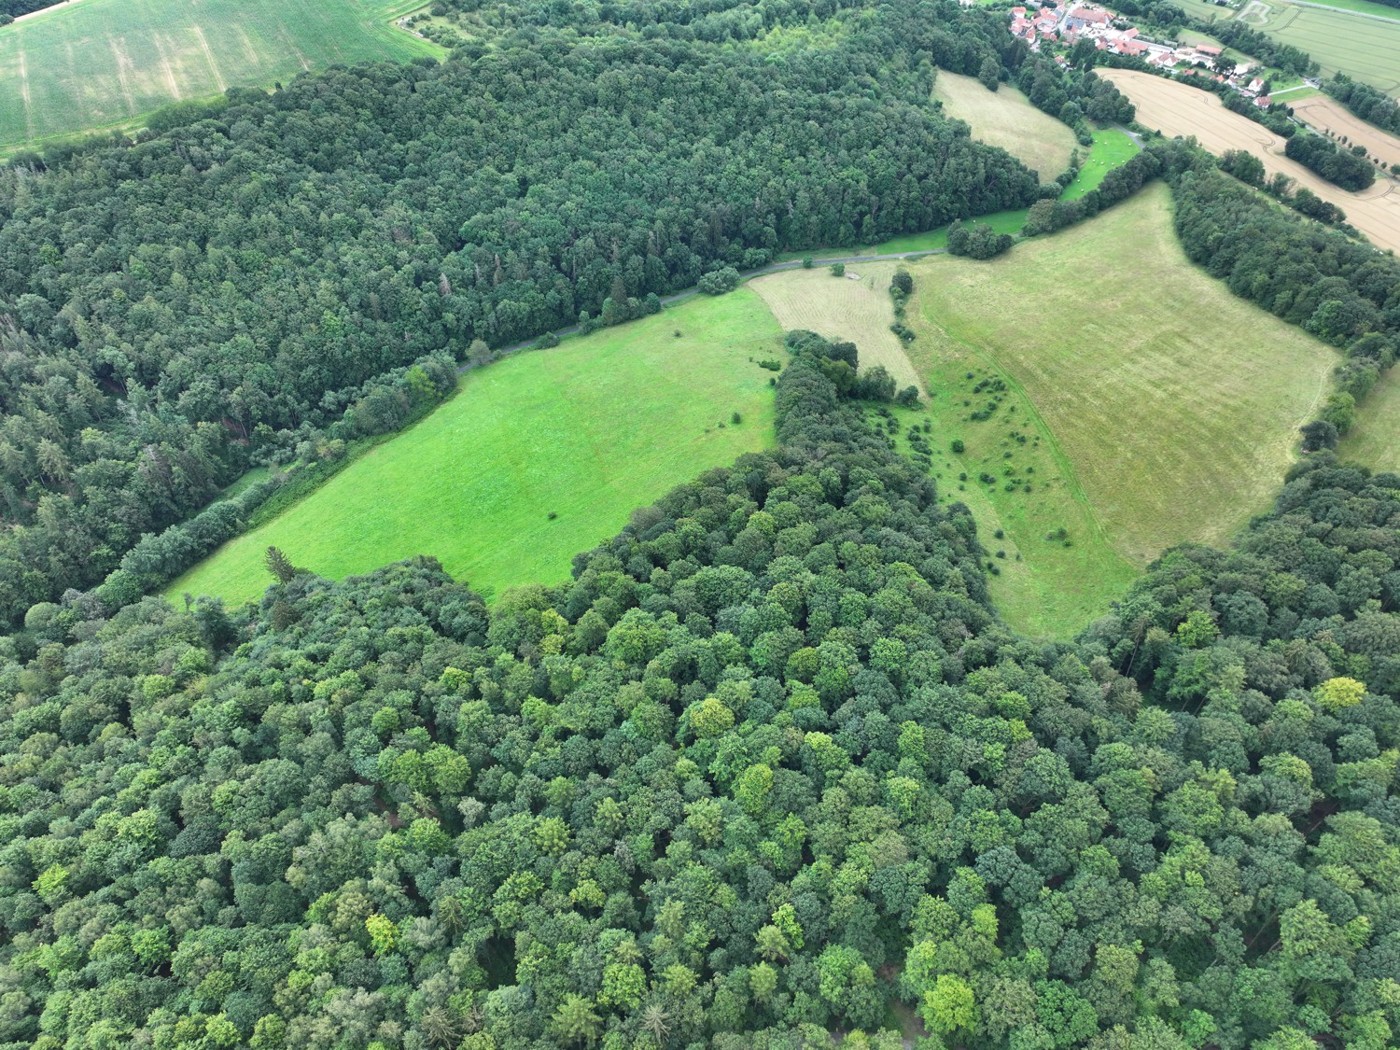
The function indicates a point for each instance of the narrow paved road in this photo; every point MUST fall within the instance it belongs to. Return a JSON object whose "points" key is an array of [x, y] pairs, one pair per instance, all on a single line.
{"points": [[791, 264]]}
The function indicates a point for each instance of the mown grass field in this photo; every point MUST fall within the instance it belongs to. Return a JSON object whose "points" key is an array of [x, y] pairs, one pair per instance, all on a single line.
{"points": [[843, 308], [1006, 118], [1141, 403], [1374, 440], [98, 64], [588, 431]]}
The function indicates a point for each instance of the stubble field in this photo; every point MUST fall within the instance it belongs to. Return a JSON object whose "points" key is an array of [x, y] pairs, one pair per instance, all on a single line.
{"points": [[1179, 109], [1327, 114]]}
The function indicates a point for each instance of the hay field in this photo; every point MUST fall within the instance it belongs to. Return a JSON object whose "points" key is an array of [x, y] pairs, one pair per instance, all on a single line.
{"points": [[109, 63], [1179, 109], [587, 431], [841, 308], [1006, 118], [1327, 114], [1172, 406]]}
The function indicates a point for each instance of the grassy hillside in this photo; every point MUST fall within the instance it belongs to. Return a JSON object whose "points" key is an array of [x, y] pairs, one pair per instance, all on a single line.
{"points": [[586, 431], [1133, 402], [107, 63], [1375, 438], [1006, 118]]}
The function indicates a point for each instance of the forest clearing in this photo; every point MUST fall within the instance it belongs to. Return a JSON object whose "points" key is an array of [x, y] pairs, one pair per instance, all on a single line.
{"points": [[586, 431], [111, 63], [1169, 399], [1177, 109], [1006, 118]]}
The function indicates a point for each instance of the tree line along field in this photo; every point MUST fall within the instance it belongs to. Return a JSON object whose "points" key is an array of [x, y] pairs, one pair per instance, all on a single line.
{"points": [[539, 456], [1177, 109], [109, 63]]}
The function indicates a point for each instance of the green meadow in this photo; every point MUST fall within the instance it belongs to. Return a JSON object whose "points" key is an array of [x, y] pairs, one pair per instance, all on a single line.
{"points": [[98, 64], [1111, 400], [536, 458]]}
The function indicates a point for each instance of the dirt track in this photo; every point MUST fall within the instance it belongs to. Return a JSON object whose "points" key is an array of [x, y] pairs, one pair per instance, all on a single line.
{"points": [[1179, 109]]}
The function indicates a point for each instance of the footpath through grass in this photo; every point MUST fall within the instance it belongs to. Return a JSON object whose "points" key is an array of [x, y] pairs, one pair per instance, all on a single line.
{"points": [[587, 431], [101, 64], [1103, 386]]}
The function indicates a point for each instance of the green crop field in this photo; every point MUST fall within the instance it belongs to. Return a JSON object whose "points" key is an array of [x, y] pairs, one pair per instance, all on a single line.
{"points": [[1106, 387], [97, 64], [1350, 36], [587, 431]]}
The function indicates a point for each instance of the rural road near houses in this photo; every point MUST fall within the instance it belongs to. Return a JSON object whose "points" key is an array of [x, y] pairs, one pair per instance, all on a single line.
{"points": [[675, 297]]}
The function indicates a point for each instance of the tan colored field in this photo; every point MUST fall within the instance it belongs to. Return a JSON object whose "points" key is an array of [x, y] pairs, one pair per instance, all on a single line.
{"points": [[842, 308], [1176, 403], [1006, 118], [1327, 114], [1179, 109], [1374, 440]]}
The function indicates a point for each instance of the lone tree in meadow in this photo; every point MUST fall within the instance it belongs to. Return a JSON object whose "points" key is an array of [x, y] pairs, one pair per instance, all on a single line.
{"points": [[279, 565]]}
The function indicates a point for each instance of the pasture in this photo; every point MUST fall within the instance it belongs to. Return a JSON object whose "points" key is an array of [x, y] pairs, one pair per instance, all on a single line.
{"points": [[1125, 397], [536, 458], [1374, 439], [1178, 109], [100, 64], [843, 308], [1006, 118]]}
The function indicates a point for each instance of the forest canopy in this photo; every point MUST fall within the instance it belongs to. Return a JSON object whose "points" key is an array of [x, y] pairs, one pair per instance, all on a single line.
{"points": [[766, 765], [176, 307]]}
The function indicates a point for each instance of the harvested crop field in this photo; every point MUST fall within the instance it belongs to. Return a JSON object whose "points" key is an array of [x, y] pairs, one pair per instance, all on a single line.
{"points": [[1327, 114], [1006, 118], [1178, 109], [843, 308]]}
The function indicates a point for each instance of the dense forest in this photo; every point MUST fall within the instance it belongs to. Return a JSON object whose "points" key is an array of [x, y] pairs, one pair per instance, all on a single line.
{"points": [[172, 307], [766, 765], [1348, 168]]}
